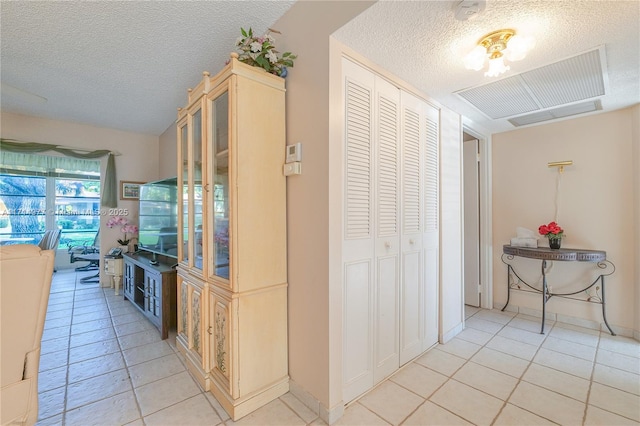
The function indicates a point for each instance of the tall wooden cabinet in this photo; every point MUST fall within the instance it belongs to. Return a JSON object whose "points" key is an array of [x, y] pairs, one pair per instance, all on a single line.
{"points": [[232, 272]]}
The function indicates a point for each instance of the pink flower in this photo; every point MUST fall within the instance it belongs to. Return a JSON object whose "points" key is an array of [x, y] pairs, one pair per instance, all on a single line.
{"points": [[130, 229], [115, 221], [125, 227]]}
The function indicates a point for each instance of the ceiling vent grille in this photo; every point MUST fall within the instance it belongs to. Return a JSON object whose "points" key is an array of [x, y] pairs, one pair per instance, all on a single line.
{"points": [[552, 114], [571, 80]]}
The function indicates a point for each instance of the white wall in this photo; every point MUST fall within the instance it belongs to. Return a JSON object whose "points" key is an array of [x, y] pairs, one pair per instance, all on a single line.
{"points": [[595, 208], [315, 292], [451, 256], [138, 161], [314, 349], [635, 131], [168, 152]]}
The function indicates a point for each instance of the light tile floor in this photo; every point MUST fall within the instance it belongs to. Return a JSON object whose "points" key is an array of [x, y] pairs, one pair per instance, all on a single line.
{"points": [[103, 363]]}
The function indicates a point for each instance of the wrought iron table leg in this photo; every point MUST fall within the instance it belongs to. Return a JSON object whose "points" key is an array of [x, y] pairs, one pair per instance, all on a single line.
{"points": [[604, 315], [544, 294], [508, 288]]}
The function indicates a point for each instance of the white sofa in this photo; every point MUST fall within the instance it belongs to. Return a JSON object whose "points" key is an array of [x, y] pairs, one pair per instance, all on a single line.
{"points": [[25, 282]]}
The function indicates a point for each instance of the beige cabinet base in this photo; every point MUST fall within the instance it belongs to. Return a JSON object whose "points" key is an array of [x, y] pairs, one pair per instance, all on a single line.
{"points": [[238, 408], [193, 365]]}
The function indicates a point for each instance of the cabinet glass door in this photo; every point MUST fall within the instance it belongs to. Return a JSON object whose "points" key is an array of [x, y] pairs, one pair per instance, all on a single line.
{"points": [[220, 205], [183, 184], [196, 199]]}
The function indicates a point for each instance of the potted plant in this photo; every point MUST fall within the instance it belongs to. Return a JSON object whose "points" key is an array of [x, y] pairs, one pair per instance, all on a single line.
{"points": [[128, 229], [261, 52], [553, 232]]}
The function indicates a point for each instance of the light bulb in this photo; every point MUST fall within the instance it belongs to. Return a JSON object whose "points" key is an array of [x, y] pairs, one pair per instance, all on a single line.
{"points": [[496, 67], [474, 60], [518, 47]]}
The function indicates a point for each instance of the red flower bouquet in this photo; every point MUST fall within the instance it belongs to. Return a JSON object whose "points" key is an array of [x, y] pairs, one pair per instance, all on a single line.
{"points": [[552, 231]]}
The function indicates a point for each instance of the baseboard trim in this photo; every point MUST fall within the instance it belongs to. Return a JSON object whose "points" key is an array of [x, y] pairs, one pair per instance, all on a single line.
{"points": [[329, 416], [570, 320]]}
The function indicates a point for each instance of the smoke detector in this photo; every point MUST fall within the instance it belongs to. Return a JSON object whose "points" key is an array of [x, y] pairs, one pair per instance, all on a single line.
{"points": [[469, 9]]}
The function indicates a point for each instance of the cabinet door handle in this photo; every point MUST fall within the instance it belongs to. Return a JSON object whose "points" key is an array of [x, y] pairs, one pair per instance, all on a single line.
{"points": [[411, 241], [387, 245], [209, 330]]}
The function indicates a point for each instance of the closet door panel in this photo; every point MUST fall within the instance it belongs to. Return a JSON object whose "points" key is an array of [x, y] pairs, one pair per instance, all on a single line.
{"points": [[358, 318], [431, 230], [387, 198], [411, 309], [386, 327], [412, 284], [358, 237]]}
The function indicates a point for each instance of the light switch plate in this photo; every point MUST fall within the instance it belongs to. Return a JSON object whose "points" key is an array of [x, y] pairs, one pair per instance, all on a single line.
{"points": [[294, 168]]}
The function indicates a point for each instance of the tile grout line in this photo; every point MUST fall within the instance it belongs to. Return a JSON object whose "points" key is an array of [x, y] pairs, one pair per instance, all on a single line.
{"points": [[126, 365], [452, 374], [66, 383], [520, 380], [65, 366], [69, 363], [593, 369], [504, 403]]}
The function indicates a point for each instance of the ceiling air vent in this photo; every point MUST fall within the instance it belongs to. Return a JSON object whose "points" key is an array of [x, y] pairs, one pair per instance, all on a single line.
{"points": [[569, 81], [560, 112]]}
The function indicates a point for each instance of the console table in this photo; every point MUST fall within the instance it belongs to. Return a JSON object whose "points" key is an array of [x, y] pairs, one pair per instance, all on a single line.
{"points": [[151, 287], [592, 293]]}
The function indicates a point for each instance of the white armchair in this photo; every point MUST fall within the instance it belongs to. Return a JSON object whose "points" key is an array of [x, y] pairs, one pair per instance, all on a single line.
{"points": [[25, 283]]}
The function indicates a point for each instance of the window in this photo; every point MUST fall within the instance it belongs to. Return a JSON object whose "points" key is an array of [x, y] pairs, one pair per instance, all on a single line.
{"points": [[33, 200], [24, 203], [77, 210]]}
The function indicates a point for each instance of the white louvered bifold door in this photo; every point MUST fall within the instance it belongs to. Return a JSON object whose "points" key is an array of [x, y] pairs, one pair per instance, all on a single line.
{"points": [[387, 202], [430, 240], [412, 281], [388, 231], [358, 243]]}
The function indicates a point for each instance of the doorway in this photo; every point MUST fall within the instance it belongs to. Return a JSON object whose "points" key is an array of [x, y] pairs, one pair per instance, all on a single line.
{"points": [[471, 188], [477, 242]]}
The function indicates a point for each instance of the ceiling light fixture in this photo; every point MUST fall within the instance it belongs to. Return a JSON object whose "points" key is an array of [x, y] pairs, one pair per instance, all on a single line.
{"points": [[493, 46]]}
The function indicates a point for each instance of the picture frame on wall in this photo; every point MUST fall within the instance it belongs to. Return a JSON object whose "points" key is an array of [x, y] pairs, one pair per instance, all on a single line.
{"points": [[130, 190]]}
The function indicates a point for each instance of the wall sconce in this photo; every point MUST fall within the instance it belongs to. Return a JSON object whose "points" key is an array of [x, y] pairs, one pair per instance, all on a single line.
{"points": [[495, 47], [560, 165]]}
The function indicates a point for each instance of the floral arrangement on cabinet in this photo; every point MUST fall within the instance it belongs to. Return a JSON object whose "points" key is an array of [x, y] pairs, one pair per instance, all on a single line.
{"points": [[127, 228], [261, 52]]}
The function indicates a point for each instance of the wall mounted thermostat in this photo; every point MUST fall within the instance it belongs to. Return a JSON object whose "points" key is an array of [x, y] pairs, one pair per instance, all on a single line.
{"points": [[294, 153]]}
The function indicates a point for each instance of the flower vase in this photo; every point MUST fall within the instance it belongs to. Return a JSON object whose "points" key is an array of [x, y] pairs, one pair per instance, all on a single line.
{"points": [[554, 243], [124, 248]]}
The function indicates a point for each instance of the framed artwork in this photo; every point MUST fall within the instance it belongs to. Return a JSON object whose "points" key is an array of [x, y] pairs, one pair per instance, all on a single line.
{"points": [[129, 190]]}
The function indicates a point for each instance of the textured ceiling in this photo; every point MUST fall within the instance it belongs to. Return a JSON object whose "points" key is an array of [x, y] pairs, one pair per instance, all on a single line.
{"points": [[117, 64], [423, 43], [127, 65]]}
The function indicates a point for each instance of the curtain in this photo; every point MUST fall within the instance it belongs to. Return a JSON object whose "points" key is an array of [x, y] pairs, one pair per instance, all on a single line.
{"points": [[109, 191]]}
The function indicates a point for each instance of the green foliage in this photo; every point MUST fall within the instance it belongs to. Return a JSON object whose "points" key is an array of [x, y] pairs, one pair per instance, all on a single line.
{"points": [[261, 52]]}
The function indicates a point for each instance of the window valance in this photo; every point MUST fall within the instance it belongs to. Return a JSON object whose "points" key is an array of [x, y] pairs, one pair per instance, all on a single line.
{"points": [[48, 164], [11, 150]]}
